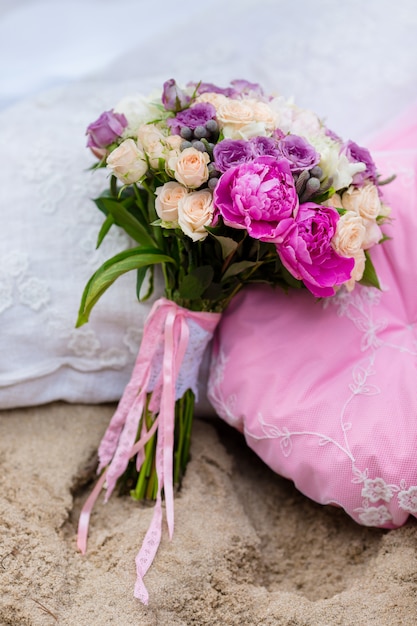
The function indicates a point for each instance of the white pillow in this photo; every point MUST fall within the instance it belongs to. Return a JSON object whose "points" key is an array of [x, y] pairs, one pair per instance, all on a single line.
{"points": [[47, 250]]}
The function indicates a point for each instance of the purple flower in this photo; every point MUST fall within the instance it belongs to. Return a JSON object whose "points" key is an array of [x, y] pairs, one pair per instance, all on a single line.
{"points": [[264, 146], [298, 152], [106, 129], [174, 98], [330, 133], [356, 154], [231, 152], [307, 253], [258, 196], [239, 88], [197, 115], [245, 88], [210, 88]]}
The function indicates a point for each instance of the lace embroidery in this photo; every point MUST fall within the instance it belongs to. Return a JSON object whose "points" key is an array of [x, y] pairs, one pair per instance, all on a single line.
{"points": [[223, 406]]}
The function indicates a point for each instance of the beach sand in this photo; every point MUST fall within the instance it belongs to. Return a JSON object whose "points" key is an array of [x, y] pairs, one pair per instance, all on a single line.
{"points": [[248, 549]]}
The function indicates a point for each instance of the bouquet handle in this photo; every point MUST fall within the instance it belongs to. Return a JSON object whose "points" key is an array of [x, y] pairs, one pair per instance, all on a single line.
{"points": [[160, 364]]}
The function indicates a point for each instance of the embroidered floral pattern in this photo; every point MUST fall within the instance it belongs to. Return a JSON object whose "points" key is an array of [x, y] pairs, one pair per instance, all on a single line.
{"points": [[34, 292], [84, 342], [407, 500], [377, 489], [374, 515]]}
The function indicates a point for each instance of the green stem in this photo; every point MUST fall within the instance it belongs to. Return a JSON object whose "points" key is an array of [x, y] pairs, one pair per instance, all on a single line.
{"points": [[113, 186], [189, 417], [147, 472]]}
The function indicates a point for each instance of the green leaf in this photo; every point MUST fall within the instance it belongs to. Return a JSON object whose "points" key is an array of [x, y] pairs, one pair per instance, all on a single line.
{"points": [[369, 278], [107, 224], [123, 218], [290, 280], [237, 268], [125, 261], [142, 273], [228, 244], [194, 284]]}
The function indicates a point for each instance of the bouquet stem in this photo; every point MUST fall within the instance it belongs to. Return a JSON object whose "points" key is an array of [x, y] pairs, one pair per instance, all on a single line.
{"points": [[146, 487]]}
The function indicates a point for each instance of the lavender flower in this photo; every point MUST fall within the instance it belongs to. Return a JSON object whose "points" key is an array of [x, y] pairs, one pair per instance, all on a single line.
{"points": [[298, 152], [211, 88], [231, 152], [174, 98], [197, 115], [106, 129], [264, 146], [245, 88], [357, 154]]}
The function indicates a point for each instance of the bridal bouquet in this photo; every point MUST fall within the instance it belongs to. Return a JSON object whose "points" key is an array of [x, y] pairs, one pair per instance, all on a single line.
{"points": [[219, 187]]}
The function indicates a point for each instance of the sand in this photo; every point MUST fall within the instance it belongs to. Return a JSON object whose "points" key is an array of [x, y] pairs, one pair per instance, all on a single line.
{"points": [[248, 549]]}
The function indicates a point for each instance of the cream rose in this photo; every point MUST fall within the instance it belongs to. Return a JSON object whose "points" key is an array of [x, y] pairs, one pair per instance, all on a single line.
{"points": [[195, 211], [153, 142], [190, 167], [127, 162], [167, 199], [335, 201], [216, 99], [350, 234], [174, 141], [262, 112], [358, 270], [373, 234], [364, 200], [235, 113]]}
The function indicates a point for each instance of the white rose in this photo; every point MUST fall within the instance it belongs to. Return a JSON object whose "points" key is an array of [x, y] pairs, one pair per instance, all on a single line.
{"points": [[350, 234], [292, 119], [334, 165], [153, 142], [127, 162], [364, 200], [358, 270], [305, 122], [254, 129], [195, 211], [167, 199], [190, 167], [138, 110]]}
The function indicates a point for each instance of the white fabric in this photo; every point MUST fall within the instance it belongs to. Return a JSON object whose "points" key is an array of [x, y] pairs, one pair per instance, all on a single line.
{"points": [[352, 62]]}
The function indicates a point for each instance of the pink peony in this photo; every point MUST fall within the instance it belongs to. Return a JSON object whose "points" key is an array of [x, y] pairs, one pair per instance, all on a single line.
{"points": [[307, 253], [258, 196]]}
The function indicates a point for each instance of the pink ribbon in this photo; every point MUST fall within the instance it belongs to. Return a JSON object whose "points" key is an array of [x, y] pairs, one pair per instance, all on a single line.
{"points": [[166, 320]]}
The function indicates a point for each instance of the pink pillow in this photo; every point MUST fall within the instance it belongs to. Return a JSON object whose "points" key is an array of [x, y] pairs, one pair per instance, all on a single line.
{"points": [[325, 391]]}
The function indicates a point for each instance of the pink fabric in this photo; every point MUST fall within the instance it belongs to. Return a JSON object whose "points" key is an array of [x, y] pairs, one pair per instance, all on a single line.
{"points": [[325, 391]]}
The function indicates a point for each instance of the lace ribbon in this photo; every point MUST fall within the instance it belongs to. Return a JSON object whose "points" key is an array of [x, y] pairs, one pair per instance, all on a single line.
{"points": [[168, 327]]}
